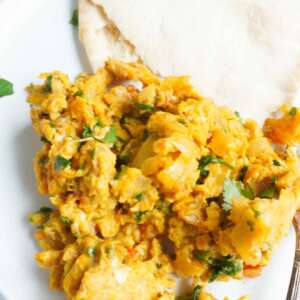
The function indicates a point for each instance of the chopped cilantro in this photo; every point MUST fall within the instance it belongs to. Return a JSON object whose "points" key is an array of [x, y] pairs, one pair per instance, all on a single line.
{"points": [[201, 255], [45, 141], [74, 19], [194, 296], [111, 136], [276, 163], [256, 212], [158, 265], [242, 173], [76, 234], [293, 111], [65, 220], [247, 192], [98, 124], [48, 84], [91, 251], [86, 131], [232, 189], [139, 196], [143, 106], [270, 191], [45, 210], [225, 266], [196, 292], [163, 206], [61, 162], [6, 88], [78, 94], [138, 216], [235, 189], [124, 159], [210, 159]]}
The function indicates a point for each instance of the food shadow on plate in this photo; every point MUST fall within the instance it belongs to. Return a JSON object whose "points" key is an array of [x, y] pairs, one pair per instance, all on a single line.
{"points": [[84, 63], [26, 144]]}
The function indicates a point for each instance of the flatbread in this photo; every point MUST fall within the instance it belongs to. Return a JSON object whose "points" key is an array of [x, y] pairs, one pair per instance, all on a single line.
{"points": [[242, 53], [100, 36]]}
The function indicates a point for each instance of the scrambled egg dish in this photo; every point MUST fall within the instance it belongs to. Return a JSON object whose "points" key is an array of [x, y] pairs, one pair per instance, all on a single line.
{"points": [[148, 179]]}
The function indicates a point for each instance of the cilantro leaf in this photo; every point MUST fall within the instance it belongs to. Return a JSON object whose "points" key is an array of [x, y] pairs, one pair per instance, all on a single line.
{"points": [[225, 266], [74, 19], [242, 173], [143, 106], [139, 196], [270, 191], [111, 136], [6, 88], [78, 94], [247, 192], [65, 220], [196, 292], [235, 189], [276, 163], [138, 216], [91, 251], [293, 111], [232, 189], [48, 84], [46, 210], [86, 131], [194, 296], [210, 159], [61, 162], [201, 255]]}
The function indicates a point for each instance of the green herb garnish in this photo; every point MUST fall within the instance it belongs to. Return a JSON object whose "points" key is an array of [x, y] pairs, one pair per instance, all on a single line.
{"points": [[211, 159], [225, 266], [232, 189], [65, 220], [196, 292], [91, 251], [6, 88], [138, 216], [45, 141], [143, 106], [61, 162], [111, 136], [78, 94], [293, 111], [270, 191], [45, 210], [276, 163], [235, 189], [163, 206], [74, 19], [139, 196], [48, 84], [86, 131], [242, 173]]}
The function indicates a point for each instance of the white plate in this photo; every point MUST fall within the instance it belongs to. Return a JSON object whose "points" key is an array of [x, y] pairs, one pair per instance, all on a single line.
{"points": [[35, 37]]}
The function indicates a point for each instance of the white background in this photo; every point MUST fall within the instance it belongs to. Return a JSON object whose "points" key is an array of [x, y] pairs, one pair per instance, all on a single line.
{"points": [[35, 37]]}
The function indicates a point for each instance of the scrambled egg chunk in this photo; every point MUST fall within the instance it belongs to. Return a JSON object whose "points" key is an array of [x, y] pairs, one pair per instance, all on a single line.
{"points": [[130, 166]]}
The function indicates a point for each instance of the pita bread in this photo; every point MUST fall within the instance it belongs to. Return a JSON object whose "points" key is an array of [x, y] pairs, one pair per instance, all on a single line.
{"points": [[242, 53], [100, 36]]}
